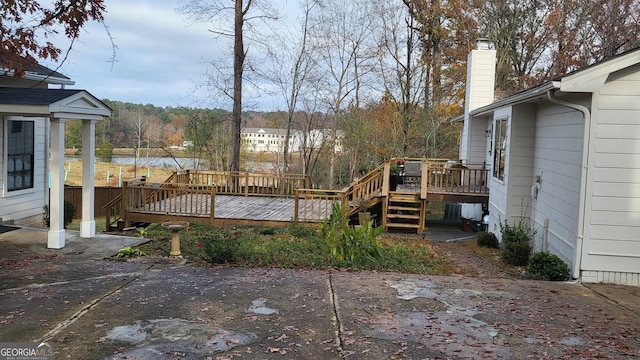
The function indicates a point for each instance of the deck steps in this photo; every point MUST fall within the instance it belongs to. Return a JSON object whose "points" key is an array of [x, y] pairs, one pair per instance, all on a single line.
{"points": [[405, 210]]}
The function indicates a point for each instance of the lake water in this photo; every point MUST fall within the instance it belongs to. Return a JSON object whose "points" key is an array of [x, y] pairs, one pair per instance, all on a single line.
{"points": [[172, 163]]}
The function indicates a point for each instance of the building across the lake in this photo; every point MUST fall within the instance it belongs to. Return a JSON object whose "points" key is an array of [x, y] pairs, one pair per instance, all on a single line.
{"points": [[272, 140]]}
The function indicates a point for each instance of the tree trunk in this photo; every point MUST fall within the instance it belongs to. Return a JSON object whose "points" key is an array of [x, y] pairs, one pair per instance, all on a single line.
{"points": [[238, 64]]}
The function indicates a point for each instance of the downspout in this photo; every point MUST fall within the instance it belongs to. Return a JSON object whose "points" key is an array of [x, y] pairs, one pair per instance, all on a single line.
{"points": [[583, 177]]}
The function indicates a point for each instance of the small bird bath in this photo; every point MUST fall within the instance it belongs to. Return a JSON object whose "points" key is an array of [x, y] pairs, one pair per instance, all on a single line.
{"points": [[175, 227]]}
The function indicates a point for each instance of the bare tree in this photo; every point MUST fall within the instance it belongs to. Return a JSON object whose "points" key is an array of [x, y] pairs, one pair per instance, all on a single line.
{"points": [[343, 39], [292, 66], [402, 73], [217, 13]]}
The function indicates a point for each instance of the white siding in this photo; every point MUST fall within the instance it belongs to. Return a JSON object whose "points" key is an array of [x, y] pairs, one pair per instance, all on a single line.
{"points": [[557, 160], [612, 234], [520, 161], [25, 204], [478, 140], [498, 188]]}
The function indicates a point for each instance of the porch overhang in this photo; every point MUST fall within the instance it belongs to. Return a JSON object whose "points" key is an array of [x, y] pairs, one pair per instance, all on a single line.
{"points": [[55, 106]]}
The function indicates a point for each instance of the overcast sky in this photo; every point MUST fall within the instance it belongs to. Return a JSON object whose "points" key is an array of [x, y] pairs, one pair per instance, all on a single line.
{"points": [[159, 55]]}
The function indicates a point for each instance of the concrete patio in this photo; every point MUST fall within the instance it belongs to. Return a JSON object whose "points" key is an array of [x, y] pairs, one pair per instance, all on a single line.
{"points": [[90, 307]]}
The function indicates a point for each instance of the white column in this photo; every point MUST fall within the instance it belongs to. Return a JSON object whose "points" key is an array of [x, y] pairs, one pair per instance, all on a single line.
{"points": [[56, 204], [88, 223]]}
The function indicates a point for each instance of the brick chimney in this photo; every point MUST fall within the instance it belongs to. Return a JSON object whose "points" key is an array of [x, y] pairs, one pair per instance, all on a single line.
{"points": [[481, 73]]}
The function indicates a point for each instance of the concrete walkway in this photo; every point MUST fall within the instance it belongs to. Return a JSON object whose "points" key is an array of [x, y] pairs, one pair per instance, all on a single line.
{"points": [[89, 307]]}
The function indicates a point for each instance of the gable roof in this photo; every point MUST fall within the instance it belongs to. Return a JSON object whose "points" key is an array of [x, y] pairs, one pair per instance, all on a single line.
{"points": [[27, 96], [61, 103], [42, 73]]}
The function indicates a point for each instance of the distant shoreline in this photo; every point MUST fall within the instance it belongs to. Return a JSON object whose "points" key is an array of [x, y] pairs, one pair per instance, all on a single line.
{"points": [[156, 152]]}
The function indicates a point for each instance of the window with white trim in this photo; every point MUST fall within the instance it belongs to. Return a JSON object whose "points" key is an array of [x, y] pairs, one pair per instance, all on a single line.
{"points": [[499, 148], [20, 149]]}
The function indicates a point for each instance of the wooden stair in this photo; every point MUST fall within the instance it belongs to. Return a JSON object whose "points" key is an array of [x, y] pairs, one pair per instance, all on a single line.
{"points": [[405, 210]]}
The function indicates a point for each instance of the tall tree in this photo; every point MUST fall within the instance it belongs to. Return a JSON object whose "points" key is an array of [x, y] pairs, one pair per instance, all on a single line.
{"points": [[343, 39], [403, 75], [292, 65], [521, 37], [217, 12], [26, 27]]}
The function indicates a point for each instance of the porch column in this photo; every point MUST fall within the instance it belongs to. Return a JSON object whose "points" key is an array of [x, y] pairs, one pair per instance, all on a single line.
{"points": [[88, 223], [56, 204]]}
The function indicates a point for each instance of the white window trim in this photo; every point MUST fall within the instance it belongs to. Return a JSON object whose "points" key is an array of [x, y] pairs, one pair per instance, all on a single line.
{"points": [[5, 154]]}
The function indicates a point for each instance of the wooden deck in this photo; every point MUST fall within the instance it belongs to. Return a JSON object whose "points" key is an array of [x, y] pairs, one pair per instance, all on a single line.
{"points": [[275, 211], [270, 200]]}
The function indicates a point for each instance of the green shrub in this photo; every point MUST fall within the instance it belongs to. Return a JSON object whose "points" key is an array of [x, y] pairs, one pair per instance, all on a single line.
{"points": [[348, 243], [515, 233], [68, 215], [129, 252], [267, 230], [547, 266], [487, 239], [218, 249], [516, 253]]}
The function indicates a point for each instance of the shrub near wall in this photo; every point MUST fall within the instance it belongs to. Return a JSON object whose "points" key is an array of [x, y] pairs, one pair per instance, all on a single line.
{"points": [[547, 266], [516, 243], [487, 239]]}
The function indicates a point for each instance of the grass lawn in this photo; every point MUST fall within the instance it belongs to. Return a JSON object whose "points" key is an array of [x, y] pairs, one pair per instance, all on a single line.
{"points": [[100, 224]]}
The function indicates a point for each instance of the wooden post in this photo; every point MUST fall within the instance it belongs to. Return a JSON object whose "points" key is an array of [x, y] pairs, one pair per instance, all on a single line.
{"points": [[212, 196], [246, 184], [424, 180], [296, 206], [385, 179]]}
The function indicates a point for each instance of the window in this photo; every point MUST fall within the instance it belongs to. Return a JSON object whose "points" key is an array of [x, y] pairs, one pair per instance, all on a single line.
{"points": [[499, 148], [20, 140]]}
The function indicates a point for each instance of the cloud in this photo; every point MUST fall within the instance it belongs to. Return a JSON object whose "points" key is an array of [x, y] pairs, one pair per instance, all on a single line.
{"points": [[159, 56], [159, 59]]}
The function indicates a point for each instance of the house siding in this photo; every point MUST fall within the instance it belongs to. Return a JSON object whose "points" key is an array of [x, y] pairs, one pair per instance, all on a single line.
{"points": [[498, 188], [520, 159], [478, 141], [611, 252], [557, 161], [25, 206]]}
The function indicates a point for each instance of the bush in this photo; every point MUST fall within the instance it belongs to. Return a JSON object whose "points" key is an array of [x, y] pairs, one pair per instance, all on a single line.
{"points": [[68, 215], [516, 253], [487, 239], [218, 249], [267, 230], [349, 244], [547, 266], [516, 233]]}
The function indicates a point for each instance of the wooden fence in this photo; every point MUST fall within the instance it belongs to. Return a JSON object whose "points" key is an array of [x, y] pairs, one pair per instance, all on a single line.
{"points": [[102, 195]]}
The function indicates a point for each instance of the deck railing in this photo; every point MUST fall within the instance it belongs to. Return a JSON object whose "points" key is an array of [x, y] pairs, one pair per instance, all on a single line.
{"points": [[316, 205], [352, 198], [456, 179], [176, 199], [192, 193], [245, 183]]}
